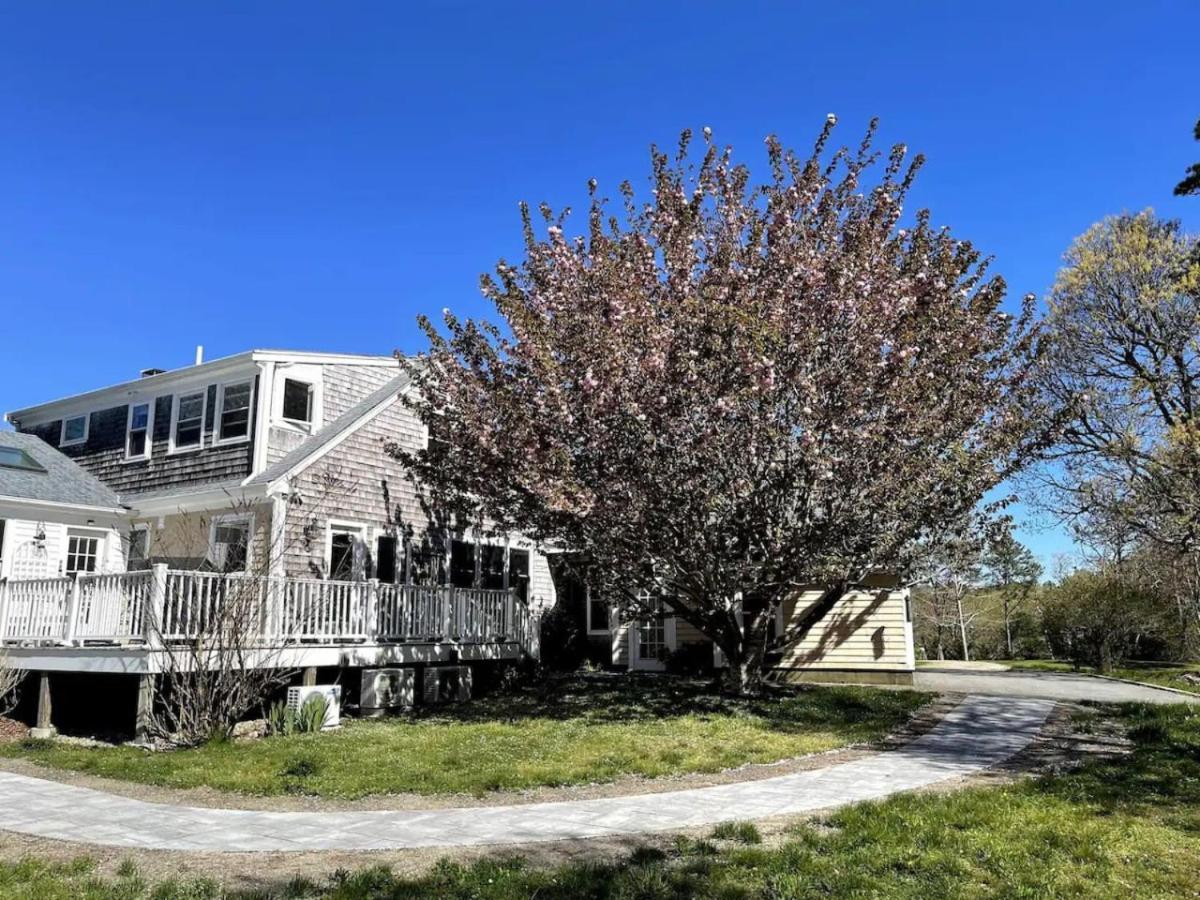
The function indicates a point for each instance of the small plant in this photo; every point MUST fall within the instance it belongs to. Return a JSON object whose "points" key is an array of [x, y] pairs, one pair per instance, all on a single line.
{"points": [[37, 745], [739, 832], [311, 717], [283, 720]]}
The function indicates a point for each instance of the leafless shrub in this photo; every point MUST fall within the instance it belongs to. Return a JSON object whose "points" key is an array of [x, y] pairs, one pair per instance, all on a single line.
{"points": [[226, 639], [10, 680]]}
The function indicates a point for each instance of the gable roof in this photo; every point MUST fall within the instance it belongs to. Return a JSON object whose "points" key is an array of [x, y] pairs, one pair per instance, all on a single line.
{"points": [[64, 481], [169, 379], [315, 446]]}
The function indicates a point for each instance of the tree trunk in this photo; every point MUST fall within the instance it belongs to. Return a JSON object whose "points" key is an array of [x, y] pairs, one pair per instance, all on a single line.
{"points": [[1008, 629], [962, 628], [744, 650]]}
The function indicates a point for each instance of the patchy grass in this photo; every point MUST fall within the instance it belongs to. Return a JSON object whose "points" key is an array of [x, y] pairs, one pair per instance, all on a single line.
{"points": [[1164, 674], [738, 832], [572, 731], [1116, 827]]}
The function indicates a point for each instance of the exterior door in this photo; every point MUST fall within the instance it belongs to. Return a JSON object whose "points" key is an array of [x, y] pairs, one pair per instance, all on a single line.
{"points": [[650, 642], [83, 554]]}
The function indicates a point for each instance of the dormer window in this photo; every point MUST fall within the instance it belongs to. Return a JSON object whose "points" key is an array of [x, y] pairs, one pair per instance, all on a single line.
{"points": [[74, 431], [297, 400], [233, 412], [137, 431], [187, 421]]}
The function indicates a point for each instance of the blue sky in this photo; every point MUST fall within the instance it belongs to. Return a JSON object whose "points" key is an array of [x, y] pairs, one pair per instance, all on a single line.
{"points": [[313, 175]]}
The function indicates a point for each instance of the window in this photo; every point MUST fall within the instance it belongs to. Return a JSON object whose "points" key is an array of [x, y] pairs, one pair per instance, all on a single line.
{"points": [[426, 562], [231, 545], [518, 572], [491, 567], [187, 415], [597, 613], [137, 432], [462, 564], [16, 458], [83, 551], [234, 411], [347, 553], [138, 557], [297, 400], [385, 558], [74, 431]]}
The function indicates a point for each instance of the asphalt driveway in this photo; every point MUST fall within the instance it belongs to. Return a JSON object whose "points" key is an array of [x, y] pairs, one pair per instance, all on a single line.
{"points": [[1043, 686]]}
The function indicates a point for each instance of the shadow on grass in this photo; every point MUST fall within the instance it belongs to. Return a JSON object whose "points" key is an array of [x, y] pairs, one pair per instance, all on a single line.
{"points": [[635, 697]]}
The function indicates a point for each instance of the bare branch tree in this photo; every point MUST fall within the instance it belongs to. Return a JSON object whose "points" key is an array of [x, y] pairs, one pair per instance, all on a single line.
{"points": [[10, 681], [226, 637]]}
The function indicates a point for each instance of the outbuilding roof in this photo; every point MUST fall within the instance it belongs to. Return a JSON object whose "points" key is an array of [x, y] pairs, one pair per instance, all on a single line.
{"points": [[51, 478]]}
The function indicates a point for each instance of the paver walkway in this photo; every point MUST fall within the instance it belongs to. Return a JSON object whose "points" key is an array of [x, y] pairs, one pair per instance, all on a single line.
{"points": [[1067, 686], [978, 733]]}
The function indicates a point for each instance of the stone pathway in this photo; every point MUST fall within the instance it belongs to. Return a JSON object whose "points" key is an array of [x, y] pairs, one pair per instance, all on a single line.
{"points": [[1065, 686], [980, 732]]}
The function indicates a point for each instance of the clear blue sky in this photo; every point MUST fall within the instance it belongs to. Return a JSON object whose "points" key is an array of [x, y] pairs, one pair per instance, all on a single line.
{"points": [[313, 175]]}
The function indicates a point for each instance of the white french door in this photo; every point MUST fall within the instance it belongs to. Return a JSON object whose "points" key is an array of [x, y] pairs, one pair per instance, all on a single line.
{"points": [[650, 642]]}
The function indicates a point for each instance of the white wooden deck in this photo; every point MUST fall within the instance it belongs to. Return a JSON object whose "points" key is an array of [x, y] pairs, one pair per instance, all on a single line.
{"points": [[129, 622]]}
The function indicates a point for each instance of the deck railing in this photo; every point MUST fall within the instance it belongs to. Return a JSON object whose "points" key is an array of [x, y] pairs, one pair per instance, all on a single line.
{"points": [[170, 606]]}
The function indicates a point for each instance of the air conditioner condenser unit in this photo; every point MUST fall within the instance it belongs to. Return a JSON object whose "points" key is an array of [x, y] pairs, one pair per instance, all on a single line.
{"points": [[297, 696], [385, 690]]}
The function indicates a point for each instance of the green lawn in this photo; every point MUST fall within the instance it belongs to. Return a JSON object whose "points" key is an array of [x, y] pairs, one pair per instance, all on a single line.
{"points": [[1165, 674], [1124, 827], [571, 732]]}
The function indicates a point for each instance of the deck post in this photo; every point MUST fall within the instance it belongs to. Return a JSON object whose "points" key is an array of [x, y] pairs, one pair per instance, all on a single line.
{"points": [[145, 708], [309, 677], [371, 626], [153, 624], [71, 626], [44, 729], [5, 601]]}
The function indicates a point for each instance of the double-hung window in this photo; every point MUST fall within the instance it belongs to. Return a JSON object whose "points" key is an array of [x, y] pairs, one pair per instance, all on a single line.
{"points": [[74, 431], [231, 545], [137, 431], [187, 429], [233, 411], [138, 557]]}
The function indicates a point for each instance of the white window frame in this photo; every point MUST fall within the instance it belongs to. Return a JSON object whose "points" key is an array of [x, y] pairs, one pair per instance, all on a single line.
{"points": [[312, 403], [220, 441], [175, 401], [142, 528], [592, 629], [62, 430], [361, 549], [99, 535], [148, 452], [246, 519]]}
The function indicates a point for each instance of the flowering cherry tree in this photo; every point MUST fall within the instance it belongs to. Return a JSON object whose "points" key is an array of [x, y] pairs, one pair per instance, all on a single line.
{"points": [[725, 390]]}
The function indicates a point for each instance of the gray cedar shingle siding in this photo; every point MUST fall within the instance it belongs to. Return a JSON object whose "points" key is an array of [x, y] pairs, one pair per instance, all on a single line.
{"points": [[103, 454], [355, 482], [347, 384]]}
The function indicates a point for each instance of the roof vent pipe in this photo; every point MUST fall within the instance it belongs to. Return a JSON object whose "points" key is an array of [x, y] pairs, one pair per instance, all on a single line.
{"points": [[199, 354]]}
